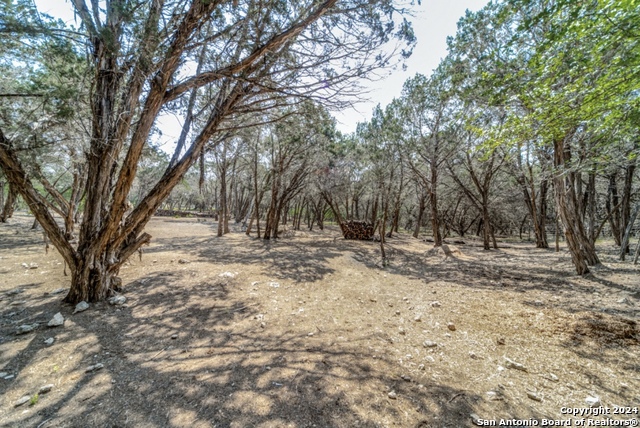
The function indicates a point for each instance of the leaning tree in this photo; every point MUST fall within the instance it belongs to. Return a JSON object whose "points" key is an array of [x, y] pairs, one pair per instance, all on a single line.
{"points": [[142, 56]]}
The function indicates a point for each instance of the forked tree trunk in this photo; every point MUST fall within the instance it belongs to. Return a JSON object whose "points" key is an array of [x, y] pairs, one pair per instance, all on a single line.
{"points": [[92, 282], [582, 251]]}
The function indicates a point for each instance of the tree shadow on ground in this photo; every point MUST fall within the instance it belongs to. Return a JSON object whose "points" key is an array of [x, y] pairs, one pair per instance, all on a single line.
{"points": [[199, 357]]}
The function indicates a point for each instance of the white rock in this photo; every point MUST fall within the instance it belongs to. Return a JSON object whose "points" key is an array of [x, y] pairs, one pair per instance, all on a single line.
{"points": [[429, 344], [59, 290], [117, 300], [81, 307], [551, 377], [274, 284], [476, 419], [418, 318], [534, 396], [510, 364], [593, 401], [26, 328], [49, 341], [3, 375], [46, 388], [435, 304], [56, 321], [94, 368], [392, 395], [21, 401], [33, 266], [228, 274], [494, 396]]}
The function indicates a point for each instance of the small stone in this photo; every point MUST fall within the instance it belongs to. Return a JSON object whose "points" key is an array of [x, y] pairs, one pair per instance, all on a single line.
{"points": [[430, 359], [494, 396], [476, 419], [46, 388], [451, 326], [117, 300], [263, 325], [49, 341], [81, 307], [435, 304], [56, 321], [501, 341], [373, 299], [418, 318], [94, 368], [22, 400], [534, 396], [174, 336], [401, 331], [421, 367], [510, 364], [593, 401], [429, 344], [33, 266], [310, 334], [26, 328], [397, 312], [551, 377], [9, 377], [391, 395], [183, 261], [405, 378], [59, 291], [228, 274], [254, 283], [274, 284], [473, 355], [3, 375]]}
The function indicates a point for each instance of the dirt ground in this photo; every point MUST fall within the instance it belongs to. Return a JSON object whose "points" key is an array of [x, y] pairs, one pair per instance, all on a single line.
{"points": [[310, 331]]}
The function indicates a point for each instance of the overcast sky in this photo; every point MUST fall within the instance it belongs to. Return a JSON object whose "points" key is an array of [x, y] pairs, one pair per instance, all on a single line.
{"points": [[434, 20]]}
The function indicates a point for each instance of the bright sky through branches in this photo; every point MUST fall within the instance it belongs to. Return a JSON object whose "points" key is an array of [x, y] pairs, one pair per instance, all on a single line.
{"points": [[434, 20]]}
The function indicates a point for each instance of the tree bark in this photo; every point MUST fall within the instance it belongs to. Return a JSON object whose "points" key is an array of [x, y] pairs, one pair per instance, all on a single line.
{"points": [[9, 205], [627, 234], [582, 251]]}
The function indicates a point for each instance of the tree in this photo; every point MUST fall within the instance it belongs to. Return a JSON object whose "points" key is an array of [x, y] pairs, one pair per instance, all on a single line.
{"points": [[259, 56]]}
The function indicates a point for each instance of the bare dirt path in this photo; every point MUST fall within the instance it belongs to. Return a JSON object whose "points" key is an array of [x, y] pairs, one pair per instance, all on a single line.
{"points": [[311, 331]]}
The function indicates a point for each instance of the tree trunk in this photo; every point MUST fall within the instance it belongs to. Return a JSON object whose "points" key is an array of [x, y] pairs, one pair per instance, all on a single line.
{"points": [[627, 234], [626, 200], [583, 253], [422, 205], [614, 213], [9, 204]]}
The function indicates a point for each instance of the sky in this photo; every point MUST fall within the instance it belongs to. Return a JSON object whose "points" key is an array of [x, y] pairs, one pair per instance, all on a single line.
{"points": [[434, 20]]}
